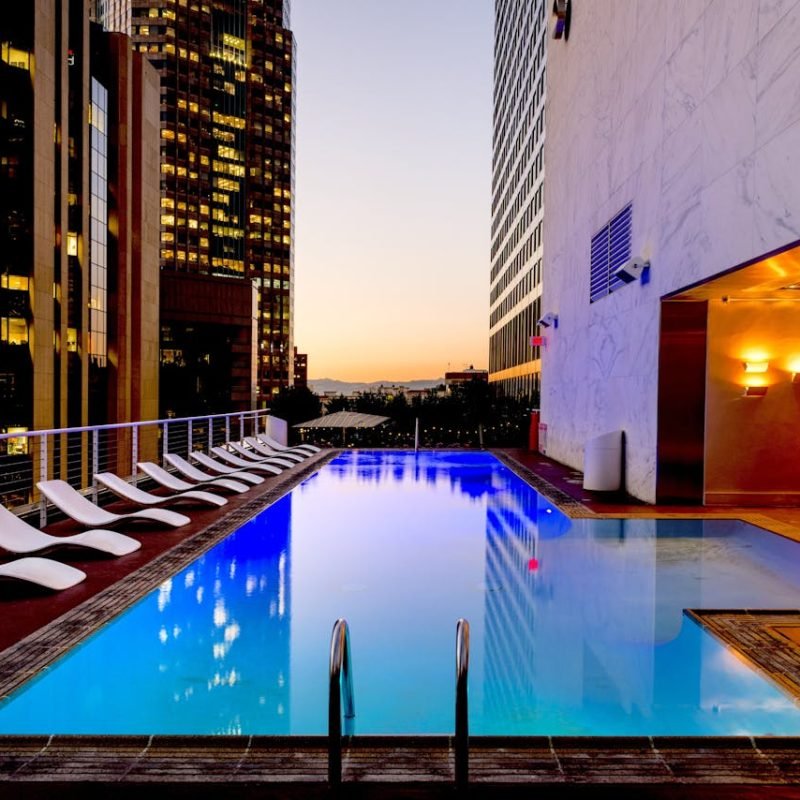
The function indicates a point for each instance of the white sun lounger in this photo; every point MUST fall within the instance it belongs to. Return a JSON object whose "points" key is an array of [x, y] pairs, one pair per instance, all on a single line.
{"points": [[194, 474], [16, 536], [286, 461], [266, 439], [263, 451], [43, 572], [139, 497], [236, 462], [84, 511], [170, 481]]}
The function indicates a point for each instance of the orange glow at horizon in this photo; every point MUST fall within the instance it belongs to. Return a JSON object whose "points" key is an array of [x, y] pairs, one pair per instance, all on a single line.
{"points": [[394, 189]]}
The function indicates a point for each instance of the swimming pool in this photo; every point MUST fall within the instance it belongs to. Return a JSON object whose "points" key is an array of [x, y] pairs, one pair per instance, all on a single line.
{"points": [[577, 625]]}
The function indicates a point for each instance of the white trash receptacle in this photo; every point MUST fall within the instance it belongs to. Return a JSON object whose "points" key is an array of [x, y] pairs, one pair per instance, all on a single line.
{"points": [[602, 463]]}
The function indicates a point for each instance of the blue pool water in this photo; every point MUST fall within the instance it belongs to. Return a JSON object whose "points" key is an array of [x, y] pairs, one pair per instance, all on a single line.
{"points": [[577, 626]]}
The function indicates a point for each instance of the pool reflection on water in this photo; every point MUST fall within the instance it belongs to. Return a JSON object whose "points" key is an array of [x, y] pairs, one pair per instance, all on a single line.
{"points": [[577, 626]]}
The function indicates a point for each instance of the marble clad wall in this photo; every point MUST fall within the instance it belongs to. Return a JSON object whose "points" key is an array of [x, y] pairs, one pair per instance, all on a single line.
{"points": [[691, 110]]}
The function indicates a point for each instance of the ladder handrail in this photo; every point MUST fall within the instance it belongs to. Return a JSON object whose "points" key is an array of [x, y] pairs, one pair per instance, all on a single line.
{"points": [[341, 682], [462, 704]]}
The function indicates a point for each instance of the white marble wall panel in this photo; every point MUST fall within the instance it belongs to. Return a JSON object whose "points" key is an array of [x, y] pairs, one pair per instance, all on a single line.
{"points": [[730, 30], [684, 80], [777, 190], [771, 12], [681, 20], [690, 110], [778, 66], [727, 218], [733, 98]]}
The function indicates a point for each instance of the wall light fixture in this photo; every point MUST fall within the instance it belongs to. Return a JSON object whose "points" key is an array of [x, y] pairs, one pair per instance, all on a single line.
{"points": [[755, 366]]}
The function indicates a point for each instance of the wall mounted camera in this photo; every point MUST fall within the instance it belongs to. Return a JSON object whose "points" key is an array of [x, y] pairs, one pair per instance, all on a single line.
{"points": [[633, 270], [549, 320]]}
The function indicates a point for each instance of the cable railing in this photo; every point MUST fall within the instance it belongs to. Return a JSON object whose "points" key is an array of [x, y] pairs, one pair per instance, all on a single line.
{"points": [[340, 693], [76, 455]]}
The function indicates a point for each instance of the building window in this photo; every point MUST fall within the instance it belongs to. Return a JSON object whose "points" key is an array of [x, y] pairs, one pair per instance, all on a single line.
{"points": [[611, 248], [98, 247]]}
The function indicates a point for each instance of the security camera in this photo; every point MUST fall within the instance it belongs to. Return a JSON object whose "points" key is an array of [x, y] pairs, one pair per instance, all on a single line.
{"points": [[631, 270], [549, 320]]}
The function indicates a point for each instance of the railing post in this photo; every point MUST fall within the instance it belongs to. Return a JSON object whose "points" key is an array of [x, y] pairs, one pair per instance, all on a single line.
{"points": [[241, 427], [43, 477], [210, 433], [189, 433], [341, 683], [462, 706], [135, 455], [227, 429], [165, 441], [95, 461]]}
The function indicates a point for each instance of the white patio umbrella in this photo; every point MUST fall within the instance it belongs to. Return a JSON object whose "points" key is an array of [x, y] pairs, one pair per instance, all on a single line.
{"points": [[343, 420]]}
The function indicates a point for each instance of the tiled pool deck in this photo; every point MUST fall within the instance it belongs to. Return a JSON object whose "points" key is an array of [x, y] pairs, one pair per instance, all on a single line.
{"points": [[38, 628]]}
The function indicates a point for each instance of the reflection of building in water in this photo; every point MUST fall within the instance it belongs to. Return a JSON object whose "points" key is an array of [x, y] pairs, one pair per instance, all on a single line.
{"points": [[510, 624], [465, 472], [586, 633], [570, 620], [238, 644]]}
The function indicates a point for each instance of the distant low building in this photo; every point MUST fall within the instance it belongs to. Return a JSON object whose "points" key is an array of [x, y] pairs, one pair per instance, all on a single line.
{"points": [[300, 369], [465, 376]]}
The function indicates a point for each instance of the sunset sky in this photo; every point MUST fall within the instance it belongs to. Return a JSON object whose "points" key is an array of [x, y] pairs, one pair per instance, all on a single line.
{"points": [[393, 167]]}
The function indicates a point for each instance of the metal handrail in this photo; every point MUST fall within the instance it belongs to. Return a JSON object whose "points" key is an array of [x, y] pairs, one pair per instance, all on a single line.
{"points": [[341, 683], [136, 424], [462, 704], [78, 453]]}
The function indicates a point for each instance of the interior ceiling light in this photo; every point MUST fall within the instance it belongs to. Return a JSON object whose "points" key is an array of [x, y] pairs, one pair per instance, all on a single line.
{"points": [[755, 366]]}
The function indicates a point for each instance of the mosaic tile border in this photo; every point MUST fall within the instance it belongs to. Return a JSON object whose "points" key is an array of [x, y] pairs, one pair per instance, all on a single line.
{"points": [[751, 633], [569, 505], [26, 658]]}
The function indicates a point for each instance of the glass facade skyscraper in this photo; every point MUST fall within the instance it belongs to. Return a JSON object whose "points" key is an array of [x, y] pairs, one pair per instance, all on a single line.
{"points": [[517, 194], [77, 319], [227, 151]]}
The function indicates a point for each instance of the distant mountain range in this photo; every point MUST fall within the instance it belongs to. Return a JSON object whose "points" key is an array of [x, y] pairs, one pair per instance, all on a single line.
{"points": [[322, 385]]}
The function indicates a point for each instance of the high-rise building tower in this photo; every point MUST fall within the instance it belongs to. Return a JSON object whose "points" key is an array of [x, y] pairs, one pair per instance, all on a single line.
{"points": [[78, 248], [517, 194], [227, 148]]}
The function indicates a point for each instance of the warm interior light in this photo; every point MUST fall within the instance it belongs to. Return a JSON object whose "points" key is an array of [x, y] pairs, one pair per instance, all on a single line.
{"points": [[754, 354], [755, 391], [755, 366]]}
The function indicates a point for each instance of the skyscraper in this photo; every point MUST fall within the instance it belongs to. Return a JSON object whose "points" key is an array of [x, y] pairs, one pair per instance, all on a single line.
{"points": [[227, 149], [517, 194], [78, 187]]}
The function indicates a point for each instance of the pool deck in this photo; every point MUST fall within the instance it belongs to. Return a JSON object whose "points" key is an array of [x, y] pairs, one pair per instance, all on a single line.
{"points": [[38, 627], [563, 485]]}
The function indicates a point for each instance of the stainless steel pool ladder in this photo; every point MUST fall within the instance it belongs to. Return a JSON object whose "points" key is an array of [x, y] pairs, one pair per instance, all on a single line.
{"points": [[462, 704], [341, 688], [341, 683]]}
